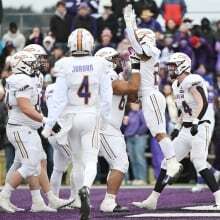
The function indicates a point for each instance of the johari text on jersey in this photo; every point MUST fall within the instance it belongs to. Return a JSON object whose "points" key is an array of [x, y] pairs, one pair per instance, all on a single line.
{"points": [[82, 68]]}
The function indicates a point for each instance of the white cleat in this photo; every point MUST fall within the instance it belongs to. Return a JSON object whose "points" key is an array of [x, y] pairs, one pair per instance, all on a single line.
{"points": [[5, 204], [57, 203], [150, 203], [17, 209], [174, 169], [198, 187], [112, 206], [41, 207]]}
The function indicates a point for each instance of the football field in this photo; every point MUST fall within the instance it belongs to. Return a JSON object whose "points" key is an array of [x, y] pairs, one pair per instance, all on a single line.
{"points": [[175, 203]]}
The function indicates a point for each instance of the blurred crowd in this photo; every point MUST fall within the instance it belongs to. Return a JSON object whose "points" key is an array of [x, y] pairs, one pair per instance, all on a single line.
{"points": [[104, 19]]}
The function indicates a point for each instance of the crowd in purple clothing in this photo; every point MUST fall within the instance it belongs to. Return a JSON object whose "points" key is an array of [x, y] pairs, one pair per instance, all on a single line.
{"points": [[104, 19]]}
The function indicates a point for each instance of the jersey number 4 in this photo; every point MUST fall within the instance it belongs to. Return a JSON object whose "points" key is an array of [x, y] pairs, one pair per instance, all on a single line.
{"points": [[83, 91], [186, 108]]}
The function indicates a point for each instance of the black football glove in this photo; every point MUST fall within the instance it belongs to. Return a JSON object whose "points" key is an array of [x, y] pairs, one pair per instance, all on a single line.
{"points": [[56, 128], [194, 128], [174, 133]]}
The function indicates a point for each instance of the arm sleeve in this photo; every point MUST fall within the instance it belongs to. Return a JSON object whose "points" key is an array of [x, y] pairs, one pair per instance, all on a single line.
{"points": [[105, 96], [59, 101], [131, 36]]}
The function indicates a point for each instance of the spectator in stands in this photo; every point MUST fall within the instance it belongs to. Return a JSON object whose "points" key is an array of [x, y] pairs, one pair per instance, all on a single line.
{"points": [[207, 32], [171, 27], [60, 24], [7, 51], [15, 36], [148, 21], [106, 40], [107, 20], [204, 62], [36, 37], [83, 19], [135, 133], [173, 10], [48, 44], [72, 7]]}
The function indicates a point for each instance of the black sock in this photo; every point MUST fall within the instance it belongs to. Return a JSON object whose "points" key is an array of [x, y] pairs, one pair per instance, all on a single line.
{"points": [[209, 179], [159, 186]]}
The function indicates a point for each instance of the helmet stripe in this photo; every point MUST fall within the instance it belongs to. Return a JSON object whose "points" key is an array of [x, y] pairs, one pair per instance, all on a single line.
{"points": [[79, 39]]}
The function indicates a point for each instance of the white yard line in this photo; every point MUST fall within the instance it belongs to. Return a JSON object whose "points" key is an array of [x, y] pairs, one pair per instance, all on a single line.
{"points": [[166, 215]]}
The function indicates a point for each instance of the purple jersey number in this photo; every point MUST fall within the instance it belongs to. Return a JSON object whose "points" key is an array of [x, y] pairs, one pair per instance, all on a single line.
{"points": [[83, 90]]}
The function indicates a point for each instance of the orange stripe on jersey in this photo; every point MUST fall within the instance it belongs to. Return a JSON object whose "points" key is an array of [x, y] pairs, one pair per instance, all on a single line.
{"points": [[79, 40]]}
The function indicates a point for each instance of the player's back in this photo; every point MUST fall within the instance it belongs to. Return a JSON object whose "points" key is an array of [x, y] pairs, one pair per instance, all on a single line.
{"points": [[21, 85], [149, 70], [83, 77]]}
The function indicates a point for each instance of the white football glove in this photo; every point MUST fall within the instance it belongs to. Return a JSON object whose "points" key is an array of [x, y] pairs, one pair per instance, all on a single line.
{"points": [[128, 11]]}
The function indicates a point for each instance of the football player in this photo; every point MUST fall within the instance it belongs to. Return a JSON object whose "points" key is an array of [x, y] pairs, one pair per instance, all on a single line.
{"points": [[194, 134], [143, 42], [24, 119], [82, 84], [113, 147], [37, 81]]}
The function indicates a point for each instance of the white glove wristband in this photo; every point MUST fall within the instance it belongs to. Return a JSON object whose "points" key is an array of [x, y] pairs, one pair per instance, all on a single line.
{"points": [[44, 120]]}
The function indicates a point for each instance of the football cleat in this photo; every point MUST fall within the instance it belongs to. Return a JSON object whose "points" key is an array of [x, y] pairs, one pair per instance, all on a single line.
{"points": [[149, 203], [112, 206], [41, 207], [5, 204], [57, 203], [174, 169], [17, 209], [85, 203]]}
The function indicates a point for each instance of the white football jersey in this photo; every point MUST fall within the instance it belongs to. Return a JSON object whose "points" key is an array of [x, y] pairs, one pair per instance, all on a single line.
{"points": [[21, 85], [184, 99], [83, 77], [82, 85], [149, 70], [118, 105]]}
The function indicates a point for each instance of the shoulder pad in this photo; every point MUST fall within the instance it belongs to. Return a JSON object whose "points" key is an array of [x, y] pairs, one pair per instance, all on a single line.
{"points": [[59, 67], [19, 82], [151, 51], [192, 80], [113, 75]]}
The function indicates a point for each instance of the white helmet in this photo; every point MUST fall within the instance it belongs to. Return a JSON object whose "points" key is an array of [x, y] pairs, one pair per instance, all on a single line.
{"points": [[35, 49], [40, 54], [145, 35], [178, 63], [81, 42], [109, 54], [23, 62]]}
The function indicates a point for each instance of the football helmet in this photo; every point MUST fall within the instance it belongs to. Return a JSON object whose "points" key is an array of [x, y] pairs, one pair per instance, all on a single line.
{"points": [[81, 42], [110, 54], [145, 35], [178, 63], [41, 56], [24, 62]]}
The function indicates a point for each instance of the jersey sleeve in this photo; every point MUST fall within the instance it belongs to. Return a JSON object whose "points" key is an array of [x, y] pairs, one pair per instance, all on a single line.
{"points": [[191, 81], [105, 94], [151, 51], [22, 87], [49, 94], [59, 68], [58, 101]]}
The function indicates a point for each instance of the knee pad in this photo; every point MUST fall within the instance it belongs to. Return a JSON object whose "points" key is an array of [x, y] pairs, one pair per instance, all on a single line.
{"points": [[15, 166], [27, 170], [199, 164], [120, 164]]}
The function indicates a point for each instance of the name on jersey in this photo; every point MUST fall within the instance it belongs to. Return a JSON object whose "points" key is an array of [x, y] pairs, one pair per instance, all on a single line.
{"points": [[83, 68]]}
